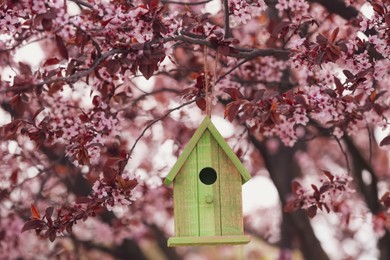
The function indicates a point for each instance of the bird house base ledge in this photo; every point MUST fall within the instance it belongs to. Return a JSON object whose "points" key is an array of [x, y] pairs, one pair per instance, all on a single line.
{"points": [[208, 240]]}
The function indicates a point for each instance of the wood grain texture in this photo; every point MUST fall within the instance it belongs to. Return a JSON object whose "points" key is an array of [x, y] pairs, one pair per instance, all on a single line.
{"points": [[231, 198], [185, 194], [208, 221], [206, 124], [216, 186], [230, 153], [208, 240], [186, 152], [208, 214]]}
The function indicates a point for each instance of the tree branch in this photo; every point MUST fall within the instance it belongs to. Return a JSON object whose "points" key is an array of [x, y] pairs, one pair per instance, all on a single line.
{"points": [[185, 3], [82, 3], [369, 191], [228, 33], [338, 7], [155, 121], [282, 175], [72, 78]]}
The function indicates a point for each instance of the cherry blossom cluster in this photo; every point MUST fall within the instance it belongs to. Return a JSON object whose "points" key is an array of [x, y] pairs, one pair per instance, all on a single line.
{"points": [[266, 70], [115, 194], [243, 11], [381, 24], [113, 190], [328, 196], [381, 220], [13, 245], [273, 114], [83, 135], [296, 9]]}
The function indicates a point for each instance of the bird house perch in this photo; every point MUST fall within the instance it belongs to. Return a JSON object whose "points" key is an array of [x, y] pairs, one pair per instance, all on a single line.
{"points": [[207, 180]]}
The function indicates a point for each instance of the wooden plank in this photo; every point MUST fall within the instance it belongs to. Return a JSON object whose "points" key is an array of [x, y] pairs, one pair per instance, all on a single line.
{"points": [[185, 196], [216, 186], [231, 197], [230, 153], [186, 152], [208, 240], [207, 219]]}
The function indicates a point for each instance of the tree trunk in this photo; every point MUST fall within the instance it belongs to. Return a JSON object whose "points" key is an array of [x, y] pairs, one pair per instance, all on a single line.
{"points": [[283, 169]]}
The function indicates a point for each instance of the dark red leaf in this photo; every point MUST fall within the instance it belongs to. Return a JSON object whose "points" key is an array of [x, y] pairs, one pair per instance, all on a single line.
{"points": [[113, 66], [319, 58], [312, 211], [104, 23], [378, 8], [348, 98], [61, 47], [289, 96], [348, 74], [201, 103], [282, 26], [385, 199], [385, 141], [52, 235], [231, 111], [109, 174], [25, 69], [34, 212], [334, 34], [55, 87], [295, 186], [321, 39], [32, 224], [51, 61], [49, 212], [291, 205], [234, 93], [387, 19], [147, 70], [325, 187], [14, 177], [327, 208], [329, 175], [339, 86], [316, 193], [83, 200], [330, 92], [300, 99], [47, 24]]}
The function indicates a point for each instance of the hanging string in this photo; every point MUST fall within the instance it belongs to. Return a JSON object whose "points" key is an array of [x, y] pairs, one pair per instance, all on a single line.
{"points": [[209, 88], [206, 83]]}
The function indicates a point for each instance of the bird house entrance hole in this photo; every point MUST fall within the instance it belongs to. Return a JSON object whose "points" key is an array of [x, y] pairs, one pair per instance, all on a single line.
{"points": [[208, 175]]}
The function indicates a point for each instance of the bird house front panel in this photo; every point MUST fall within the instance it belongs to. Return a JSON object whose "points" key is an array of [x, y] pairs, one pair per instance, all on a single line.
{"points": [[185, 196], [207, 181], [208, 186], [231, 205]]}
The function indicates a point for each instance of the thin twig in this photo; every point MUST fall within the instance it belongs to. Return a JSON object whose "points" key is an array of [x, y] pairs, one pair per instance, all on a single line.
{"points": [[344, 153], [230, 70], [82, 3], [155, 121], [71, 78], [240, 53], [228, 33], [185, 3], [157, 91], [369, 144]]}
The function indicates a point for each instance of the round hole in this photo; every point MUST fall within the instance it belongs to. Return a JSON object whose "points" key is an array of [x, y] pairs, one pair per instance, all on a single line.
{"points": [[208, 176]]}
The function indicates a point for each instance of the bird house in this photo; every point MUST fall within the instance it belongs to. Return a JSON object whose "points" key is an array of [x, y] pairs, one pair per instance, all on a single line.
{"points": [[207, 180]]}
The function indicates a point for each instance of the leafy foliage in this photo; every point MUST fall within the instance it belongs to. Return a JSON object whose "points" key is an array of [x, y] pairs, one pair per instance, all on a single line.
{"points": [[89, 127]]}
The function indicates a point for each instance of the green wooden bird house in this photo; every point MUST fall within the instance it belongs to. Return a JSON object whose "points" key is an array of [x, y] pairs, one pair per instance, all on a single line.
{"points": [[207, 180]]}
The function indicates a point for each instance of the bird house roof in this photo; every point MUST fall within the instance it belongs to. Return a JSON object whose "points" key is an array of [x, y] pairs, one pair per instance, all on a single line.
{"points": [[207, 124]]}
